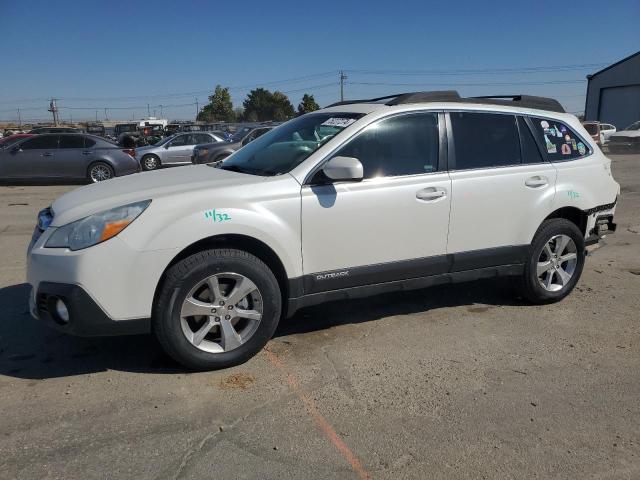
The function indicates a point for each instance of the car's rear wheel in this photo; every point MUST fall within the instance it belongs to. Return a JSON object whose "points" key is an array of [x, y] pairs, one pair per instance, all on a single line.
{"points": [[150, 162], [216, 309], [555, 262], [99, 172]]}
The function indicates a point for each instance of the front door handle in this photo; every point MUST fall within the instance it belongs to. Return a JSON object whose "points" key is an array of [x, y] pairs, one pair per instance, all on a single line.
{"points": [[431, 194], [47, 154], [537, 181], [87, 152]]}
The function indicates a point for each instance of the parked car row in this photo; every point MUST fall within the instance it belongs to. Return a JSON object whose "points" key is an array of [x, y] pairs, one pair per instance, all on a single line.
{"points": [[84, 157]]}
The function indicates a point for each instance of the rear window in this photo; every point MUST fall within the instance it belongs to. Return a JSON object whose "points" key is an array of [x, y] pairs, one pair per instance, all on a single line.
{"points": [[560, 141], [592, 128]]}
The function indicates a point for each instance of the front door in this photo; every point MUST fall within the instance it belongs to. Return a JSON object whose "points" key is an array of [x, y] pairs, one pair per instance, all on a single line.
{"points": [[72, 159], [180, 149], [390, 226], [33, 158], [501, 184]]}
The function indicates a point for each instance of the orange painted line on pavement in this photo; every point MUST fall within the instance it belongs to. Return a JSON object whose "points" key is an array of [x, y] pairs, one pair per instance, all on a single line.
{"points": [[324, 425]]}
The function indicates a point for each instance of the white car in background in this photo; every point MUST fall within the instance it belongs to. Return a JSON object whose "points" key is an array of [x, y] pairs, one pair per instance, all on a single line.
{"points": [[607, 130], [356, 199]]}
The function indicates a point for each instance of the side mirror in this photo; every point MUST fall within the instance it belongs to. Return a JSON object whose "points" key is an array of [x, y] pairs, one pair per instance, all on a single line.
{"points": [[16, 149], [343, 169], [167, 145]]}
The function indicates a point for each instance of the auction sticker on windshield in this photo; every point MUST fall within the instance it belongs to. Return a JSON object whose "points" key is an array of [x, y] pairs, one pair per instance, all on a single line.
{"points": [[338, 122]]}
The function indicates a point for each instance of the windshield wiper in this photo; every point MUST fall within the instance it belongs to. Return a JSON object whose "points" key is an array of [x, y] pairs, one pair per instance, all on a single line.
{"points": [[239, 169]]}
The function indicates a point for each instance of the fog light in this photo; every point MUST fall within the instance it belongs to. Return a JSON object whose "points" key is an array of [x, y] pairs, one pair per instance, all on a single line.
{"points": [[61, 310]]}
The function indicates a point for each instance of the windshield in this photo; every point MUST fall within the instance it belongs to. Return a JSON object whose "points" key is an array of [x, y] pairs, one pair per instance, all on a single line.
{"points": [[282, 149], [240, 134], [592, 128], [634, 126]]}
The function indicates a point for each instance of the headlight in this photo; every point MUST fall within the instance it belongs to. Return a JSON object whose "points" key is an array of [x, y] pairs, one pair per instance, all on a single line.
{"points": [[96, 228]]}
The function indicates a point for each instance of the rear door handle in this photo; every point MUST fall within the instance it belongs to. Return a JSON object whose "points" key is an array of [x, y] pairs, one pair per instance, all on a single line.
{"points": [[88, 152], [430, 194], [537, 181], [47, 154]]}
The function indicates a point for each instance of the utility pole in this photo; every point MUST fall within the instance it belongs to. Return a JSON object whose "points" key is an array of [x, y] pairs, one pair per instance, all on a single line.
{"points": [[105, 114], [53, 108], [96, 116], [161, 115], [148, 111], [19, 120], [343, 77], [197, 110]]}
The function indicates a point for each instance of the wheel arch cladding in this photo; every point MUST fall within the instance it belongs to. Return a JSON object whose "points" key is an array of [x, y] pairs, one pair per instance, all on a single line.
{"points": [[573, 214], [240, 242]]}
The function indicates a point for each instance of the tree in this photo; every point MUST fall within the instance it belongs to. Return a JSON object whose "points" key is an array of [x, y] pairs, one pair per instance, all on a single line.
{"points": [[308, 104], [219, 108], [282, 107], [261, 105]]}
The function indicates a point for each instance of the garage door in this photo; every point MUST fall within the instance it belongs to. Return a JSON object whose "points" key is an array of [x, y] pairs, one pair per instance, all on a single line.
{"points": [[620, 105]]}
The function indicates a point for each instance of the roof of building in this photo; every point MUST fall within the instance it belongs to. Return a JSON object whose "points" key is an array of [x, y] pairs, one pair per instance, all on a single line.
{"points": [[613, 65]]}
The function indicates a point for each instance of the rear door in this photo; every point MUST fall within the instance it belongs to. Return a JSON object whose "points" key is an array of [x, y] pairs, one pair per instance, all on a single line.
{"points": [[72, 158], [501, 183], [33, 158]]}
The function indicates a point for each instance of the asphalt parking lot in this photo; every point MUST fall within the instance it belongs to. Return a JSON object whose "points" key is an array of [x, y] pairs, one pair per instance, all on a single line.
{"points": [[463, 381]]}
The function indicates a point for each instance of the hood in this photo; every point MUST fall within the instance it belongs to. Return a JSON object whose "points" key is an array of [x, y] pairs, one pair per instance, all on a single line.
{"points": [[627, 133], [119, 191]]}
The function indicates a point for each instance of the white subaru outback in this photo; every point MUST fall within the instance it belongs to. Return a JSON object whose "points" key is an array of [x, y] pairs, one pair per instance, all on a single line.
{"points": [[355, 199]]}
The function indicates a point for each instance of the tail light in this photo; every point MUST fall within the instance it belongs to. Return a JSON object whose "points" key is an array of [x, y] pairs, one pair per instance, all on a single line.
{"points": [[130, 151]]}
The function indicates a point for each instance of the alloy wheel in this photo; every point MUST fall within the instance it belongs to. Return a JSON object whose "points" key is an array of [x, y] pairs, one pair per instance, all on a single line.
{"points": [[100, 173], [221, 312], [557, 263], [150, 163]]}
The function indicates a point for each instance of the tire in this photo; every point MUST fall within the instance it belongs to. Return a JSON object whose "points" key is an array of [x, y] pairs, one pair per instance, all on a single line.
{"points": [[187, 283], [99, 172], [150, 162], [549, 274]]}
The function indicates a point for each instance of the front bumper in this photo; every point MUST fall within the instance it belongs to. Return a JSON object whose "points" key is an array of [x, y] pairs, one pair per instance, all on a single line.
{"points": [[110, 287], [85, 317]]}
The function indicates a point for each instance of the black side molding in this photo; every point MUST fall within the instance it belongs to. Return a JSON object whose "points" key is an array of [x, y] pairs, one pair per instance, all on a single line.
{"points": [[401, 285]]}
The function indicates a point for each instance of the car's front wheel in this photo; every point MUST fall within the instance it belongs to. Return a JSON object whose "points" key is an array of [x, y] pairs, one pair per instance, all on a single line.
{"points": [[216, 308], [555, 262], [150, 162]]}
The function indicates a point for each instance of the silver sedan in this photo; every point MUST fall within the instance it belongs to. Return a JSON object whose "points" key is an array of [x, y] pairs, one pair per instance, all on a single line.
{"points": [[173, 151]]}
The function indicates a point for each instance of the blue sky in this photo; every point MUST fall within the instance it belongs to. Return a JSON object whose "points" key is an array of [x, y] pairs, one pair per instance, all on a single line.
{"points": [[123, 55]]}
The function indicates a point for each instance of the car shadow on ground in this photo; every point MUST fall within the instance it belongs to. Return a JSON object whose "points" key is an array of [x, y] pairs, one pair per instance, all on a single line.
{"points": [[31, 350]]}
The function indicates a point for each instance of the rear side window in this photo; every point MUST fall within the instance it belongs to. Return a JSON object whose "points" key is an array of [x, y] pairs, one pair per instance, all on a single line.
{"points": [[71, 141], [402, 145], [44, 142], [530, 151], [561, 142], [89, 142], [484, 140]]}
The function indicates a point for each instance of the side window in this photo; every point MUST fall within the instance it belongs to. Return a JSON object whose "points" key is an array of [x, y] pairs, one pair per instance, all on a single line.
{"points": [[179, 141], [42, 142], [530, 151], [402, 145], [484, 140], [202, 138], [89, 142], [561, 142], [71, 141]]}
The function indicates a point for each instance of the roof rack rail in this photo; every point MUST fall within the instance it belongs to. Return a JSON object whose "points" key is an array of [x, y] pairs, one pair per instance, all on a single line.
{"points": [[526, 101]]}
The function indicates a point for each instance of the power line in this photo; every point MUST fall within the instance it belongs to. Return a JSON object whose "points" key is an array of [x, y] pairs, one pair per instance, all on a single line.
{"points": [[388, 72], [480, 84]]}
